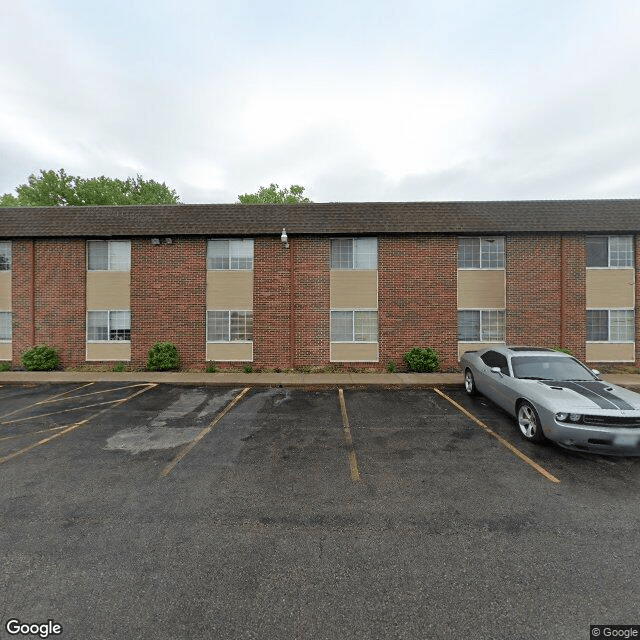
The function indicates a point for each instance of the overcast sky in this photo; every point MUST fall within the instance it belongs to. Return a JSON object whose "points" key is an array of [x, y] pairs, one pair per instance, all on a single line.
{"points": [[356, 100]]}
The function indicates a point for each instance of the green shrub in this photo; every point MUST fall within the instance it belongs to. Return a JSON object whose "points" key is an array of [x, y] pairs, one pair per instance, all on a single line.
{"points": [[40, 358], [248, 369], [391, 367], [422, 360], [212, 368], [5, 366], [119, 367], [163, 356], [567, 351]]}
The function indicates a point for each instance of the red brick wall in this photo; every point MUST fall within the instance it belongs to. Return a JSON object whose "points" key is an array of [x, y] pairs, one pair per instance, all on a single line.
{"points": [[546, 292], [534, 281], [271, 303], [574, 295], [417, 289], [312, 300], [60, 298], [168, 298], [273, 289], [23, 253], [417, 297]]}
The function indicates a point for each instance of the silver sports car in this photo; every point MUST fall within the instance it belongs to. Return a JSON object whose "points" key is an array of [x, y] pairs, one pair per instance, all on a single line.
{"points": [[553, 395]]}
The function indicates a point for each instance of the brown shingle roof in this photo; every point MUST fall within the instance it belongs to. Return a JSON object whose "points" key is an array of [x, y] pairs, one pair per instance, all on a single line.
{"points": [[543, 216]]}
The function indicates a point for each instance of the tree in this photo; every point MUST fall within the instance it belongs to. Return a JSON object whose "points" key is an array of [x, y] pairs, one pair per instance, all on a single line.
{"points": [[57, 189], [274, 195]]}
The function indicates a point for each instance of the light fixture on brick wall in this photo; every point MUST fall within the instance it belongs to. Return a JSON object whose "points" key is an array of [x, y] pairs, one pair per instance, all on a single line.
{"points": [[155, 240], [168, 241], [284, 239]]}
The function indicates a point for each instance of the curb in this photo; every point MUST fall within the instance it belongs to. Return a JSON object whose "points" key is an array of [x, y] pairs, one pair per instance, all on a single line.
{"points": [[229, 379]]}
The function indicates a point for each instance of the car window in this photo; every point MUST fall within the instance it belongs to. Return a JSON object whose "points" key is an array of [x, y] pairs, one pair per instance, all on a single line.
{"points": [[495, 359], [549, 368]]}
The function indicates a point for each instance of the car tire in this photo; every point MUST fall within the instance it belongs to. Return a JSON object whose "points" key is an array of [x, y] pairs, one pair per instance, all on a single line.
{"points": [[529, 422], [470, 383]]}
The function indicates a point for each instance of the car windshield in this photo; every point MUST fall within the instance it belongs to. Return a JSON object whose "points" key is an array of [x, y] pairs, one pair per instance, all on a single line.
{"points": [[549, 368]]}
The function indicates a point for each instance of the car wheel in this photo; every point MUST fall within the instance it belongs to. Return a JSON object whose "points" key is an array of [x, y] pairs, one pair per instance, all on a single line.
{"points": [[470, 383], [529, 422]]}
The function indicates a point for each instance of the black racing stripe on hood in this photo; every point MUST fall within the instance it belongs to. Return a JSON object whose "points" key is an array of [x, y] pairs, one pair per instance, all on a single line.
{"points": [[594, 391]]}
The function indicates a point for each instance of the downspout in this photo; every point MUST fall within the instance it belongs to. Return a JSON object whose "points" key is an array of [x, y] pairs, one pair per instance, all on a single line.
{"points": [[562, 287], [292, 317], [33, 292]]}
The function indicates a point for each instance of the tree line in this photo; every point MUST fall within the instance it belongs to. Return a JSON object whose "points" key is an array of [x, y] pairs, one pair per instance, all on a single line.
{"points": [[59, 189]]}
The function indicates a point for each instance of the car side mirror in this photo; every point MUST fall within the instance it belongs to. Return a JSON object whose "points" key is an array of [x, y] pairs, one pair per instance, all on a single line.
{"points": [[496, 370], [595, 372]]}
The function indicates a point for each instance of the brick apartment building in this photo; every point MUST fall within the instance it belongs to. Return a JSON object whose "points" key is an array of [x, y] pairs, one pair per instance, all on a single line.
{"points": [[352, 283]]}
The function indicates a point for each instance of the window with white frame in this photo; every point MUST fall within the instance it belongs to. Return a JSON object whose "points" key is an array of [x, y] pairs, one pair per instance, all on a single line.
{"points": [[103, 326], [5, 326], [609, 251], [229, 326], [354, 326], [611, 325], [5, 256], [481, 253], [109, 255], [235, 255], [354, 253], [481, 325]]}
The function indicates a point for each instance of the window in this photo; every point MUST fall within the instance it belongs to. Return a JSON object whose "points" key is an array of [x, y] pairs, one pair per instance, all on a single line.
{"points": [[609, 251], [230, 254], [229, 326], [354, 326], [109, 255], [611, 325], [481, 253], [5, 256], [108, 326], [5, 326], [495, 359], [354, 253], [481, 325]]}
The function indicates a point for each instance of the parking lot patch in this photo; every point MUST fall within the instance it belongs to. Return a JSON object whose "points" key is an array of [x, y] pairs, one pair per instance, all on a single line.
{"points": [[183, 452]]}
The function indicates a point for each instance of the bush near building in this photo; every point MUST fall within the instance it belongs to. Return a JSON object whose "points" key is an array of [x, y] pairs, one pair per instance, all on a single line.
{"points": [[163, 356], [422, 360], [42, 358]]}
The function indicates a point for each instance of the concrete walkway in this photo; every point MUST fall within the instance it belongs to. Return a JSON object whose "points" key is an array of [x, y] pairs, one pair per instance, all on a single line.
{"points": [[262, 379]]}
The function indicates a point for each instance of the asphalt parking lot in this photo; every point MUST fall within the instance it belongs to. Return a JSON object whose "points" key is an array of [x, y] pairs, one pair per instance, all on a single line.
{"points": [[162, 511]]}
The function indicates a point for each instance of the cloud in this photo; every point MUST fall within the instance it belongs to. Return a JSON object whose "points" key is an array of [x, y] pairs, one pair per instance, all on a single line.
{"points": [[411, 100]]}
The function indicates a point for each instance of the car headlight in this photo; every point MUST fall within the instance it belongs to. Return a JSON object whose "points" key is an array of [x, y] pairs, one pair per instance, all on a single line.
{"points": [[561, 416]]}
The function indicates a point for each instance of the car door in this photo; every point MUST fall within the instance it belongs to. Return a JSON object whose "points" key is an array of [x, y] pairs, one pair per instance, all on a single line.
{"points": [[497, 384]]}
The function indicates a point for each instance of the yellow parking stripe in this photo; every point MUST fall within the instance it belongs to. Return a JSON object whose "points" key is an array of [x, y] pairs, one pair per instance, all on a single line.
{"points": [[541, 470], [353, 462], [31, 433], [73, 426], [93, 393], [185, 450], [57, 395], [55, 413]]}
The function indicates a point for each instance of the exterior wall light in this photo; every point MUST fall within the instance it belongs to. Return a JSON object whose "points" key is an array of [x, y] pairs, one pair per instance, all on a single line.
{"points": [[155, 240], [168, 241], [284, 239]]}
